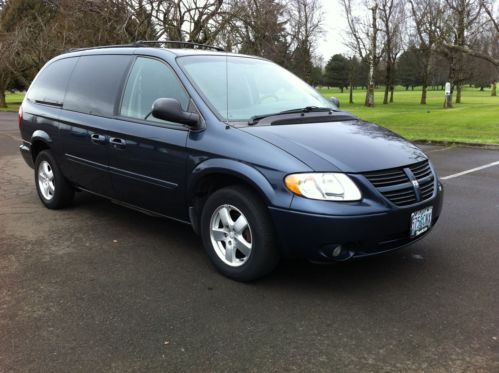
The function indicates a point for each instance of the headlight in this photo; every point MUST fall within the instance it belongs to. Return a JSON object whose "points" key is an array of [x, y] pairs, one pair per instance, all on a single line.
{"points": [[324, 186]]}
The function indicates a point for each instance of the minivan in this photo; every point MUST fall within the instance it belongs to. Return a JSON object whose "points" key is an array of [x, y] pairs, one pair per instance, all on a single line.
{"points": [[254, 159]]}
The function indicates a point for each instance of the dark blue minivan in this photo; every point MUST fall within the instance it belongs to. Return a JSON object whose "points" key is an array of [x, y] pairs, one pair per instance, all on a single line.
{"points": [[254, 159]]}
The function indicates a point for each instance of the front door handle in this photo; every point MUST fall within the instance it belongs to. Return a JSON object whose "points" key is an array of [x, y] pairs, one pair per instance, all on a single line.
{"points": [[98, 139], [117, 143]]}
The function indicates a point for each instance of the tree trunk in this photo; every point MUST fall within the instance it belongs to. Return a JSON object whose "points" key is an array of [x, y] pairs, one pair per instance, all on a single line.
{"points": [[391, 93], [426, 73], [3, 103], [493, 92], [387, 82], [452, 74], [459, 89], [370, 85], [385, 96], [448, 101], [350, 98], [423, 95]]}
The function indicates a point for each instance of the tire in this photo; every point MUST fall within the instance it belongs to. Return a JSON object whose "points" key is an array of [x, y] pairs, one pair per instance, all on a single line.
{"points": [[53, 189], [226, 237]]}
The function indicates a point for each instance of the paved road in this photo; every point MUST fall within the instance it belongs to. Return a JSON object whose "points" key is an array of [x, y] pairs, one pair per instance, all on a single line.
{"points": [[97, 287]]}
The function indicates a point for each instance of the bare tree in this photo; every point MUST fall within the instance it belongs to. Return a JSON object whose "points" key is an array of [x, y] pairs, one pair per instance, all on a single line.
{"points": [[392, 17], [5, 73], [461, 24], [261, 29], [488, 55], [372, 57], [187, 20], [304, 28], [427, 17], [363, 40]]}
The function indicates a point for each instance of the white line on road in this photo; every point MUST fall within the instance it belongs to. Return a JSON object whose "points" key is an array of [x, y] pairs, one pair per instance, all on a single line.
{"points": [[470, 170]]}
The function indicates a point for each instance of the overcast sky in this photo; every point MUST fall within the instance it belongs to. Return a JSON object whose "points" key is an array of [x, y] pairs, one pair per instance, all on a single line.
{"points": [[335, 27]]}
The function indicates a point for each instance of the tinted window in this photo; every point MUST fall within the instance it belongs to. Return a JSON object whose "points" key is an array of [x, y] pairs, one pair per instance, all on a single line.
{"points": [[50, 85], [149, 80], [94, 85]]}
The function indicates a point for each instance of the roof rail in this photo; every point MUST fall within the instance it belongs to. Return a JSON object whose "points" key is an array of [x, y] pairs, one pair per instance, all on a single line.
{"points": [[145, 43], [100, 47], [141, 43]]}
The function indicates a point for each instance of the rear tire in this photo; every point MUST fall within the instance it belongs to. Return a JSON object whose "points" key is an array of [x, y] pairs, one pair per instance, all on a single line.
{"points": [[53, 189], [238, 234]]}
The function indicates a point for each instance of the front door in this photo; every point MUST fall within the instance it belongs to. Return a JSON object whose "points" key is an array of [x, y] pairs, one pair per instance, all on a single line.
{"points": [[147, 155]]}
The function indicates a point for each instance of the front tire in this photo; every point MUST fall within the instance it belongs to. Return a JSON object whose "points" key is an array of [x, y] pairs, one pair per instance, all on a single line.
{"points": [[53, 189], [238, 235]]}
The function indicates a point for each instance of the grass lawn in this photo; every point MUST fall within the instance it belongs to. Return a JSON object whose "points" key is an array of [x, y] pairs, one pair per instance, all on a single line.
{"points": [[476, 120], [13, 101]]}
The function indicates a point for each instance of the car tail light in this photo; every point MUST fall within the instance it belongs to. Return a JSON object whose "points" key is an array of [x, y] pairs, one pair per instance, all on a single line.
{"points": [[20, 116]]}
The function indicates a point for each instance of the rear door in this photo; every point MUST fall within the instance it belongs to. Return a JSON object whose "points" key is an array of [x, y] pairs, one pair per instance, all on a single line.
{"points": [[147, 156], [91, 97]]}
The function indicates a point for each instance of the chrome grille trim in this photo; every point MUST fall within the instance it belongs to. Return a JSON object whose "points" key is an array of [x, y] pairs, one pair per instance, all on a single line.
{"points": [[396, 184]]}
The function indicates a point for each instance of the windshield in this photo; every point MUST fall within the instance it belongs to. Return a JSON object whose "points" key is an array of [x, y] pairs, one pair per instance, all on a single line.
{"points": [[239, 88]]}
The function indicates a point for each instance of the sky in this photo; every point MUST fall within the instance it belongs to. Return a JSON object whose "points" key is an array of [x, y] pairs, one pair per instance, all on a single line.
{"points": [[335, 26]]}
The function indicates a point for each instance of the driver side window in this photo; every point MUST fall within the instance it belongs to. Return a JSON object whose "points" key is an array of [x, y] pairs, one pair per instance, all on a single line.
{"points": [[149, 80]]}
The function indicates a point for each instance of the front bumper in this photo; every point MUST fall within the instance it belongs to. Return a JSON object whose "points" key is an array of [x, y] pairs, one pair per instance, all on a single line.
{"points": [[316, 236]]}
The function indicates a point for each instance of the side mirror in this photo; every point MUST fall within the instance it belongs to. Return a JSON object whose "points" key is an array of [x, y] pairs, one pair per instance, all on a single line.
{"points": [[335, 101], [169, 109]]}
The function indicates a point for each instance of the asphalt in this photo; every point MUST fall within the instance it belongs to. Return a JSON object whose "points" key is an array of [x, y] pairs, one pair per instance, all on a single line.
{"points": [[97, 287]]}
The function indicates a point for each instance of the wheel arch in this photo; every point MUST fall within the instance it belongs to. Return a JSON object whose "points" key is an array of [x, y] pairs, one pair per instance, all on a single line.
{"points": [[40, 140], [215, 174]]}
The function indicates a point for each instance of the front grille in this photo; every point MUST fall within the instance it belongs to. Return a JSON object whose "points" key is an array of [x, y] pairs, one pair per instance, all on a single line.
{"points": [[396, 184]]}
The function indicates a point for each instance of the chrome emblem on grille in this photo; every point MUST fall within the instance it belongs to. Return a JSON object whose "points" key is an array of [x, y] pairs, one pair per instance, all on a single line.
{"points": [[415, 183]]}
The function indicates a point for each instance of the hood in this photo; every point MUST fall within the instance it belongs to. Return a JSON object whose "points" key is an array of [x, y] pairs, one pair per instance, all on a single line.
{"points": [[348, 146]]}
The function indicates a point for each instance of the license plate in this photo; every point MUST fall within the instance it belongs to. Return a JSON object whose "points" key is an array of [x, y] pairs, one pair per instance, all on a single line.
{"points": [[421, 221]]}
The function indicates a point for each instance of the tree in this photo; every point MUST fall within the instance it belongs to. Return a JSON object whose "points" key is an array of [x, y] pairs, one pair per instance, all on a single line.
{"points": [[36, 31], [410, 68], [304, 25], [5, 73], [317, 77], [337, 72], [372, 57], [354, 67], [427, 18], [185, 20], [490, 54], [461, 24], [363, 40], [392, 17], [261, 29]]}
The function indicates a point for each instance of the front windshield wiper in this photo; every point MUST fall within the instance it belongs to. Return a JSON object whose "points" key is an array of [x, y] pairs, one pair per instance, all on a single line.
{"points": [[307, 109]]}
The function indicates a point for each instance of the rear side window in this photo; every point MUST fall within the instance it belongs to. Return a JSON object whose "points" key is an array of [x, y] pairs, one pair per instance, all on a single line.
{"points": [[94, 84], [50, 85], [149, 80]]}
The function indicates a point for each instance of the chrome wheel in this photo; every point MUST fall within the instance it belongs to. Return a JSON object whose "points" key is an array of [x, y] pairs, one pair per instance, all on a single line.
{"points": [[230, 235], [46, 180]]}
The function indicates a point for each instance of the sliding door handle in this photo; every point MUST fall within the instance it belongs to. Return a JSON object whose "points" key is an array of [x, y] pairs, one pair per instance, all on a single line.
{"points": [[98, 139], [117, 143]]}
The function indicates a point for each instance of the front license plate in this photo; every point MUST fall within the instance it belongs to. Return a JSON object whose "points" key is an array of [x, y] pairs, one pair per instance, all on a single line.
{"points": [[421, 221]]}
